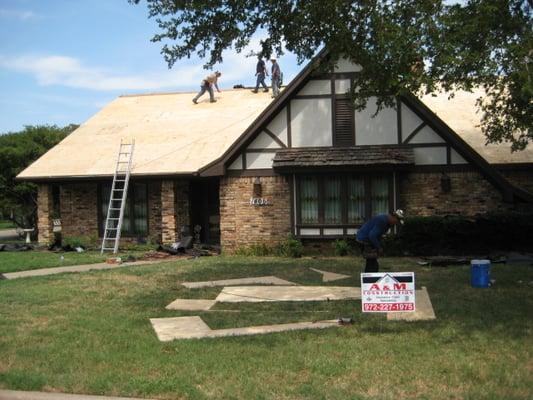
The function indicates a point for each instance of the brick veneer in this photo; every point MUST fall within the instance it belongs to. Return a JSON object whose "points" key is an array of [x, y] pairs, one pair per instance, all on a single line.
{"points": [[181, 205], [154, 211], [79, 209], [471, 193], [168, 214], [44, 210], [242, 224], [521, 178]]}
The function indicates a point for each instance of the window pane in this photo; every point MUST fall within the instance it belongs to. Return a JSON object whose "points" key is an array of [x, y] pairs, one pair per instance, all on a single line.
{"points": [[309, 200], [380, 195], [332, 201], [140, 209], [356, 200]]}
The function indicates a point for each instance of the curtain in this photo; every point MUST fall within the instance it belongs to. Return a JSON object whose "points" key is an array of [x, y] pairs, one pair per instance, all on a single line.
{"points": [[356, 200], [380, 195], [309, 200], [332, 201]]}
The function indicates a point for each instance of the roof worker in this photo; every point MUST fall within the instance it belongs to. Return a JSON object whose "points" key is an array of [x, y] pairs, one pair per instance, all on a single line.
{"points": [[369, 237], [207, 86], [276, 77], [260, 72]]}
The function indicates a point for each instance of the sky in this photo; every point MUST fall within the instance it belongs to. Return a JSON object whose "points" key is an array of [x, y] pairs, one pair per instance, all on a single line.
{"points": [[61, 61]]}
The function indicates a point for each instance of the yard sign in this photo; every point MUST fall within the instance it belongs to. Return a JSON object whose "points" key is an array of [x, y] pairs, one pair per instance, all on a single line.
{"points": [[388, 291]]}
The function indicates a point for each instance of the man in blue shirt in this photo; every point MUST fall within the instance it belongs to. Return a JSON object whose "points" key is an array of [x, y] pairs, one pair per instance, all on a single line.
{"points": [[369, 236]]}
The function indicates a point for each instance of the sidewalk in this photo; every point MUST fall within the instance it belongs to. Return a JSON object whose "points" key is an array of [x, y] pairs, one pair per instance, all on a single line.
{"points": [[73, 268], [19, 395]]}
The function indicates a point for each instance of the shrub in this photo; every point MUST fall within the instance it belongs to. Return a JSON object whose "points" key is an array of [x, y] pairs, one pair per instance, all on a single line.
{"points": [[290, 247], [485, 233], [341, 247], [86, 242], [257, 250]]}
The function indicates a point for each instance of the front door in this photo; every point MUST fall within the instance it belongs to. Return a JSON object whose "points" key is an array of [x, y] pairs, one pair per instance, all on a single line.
{"points": [[205, 209]]}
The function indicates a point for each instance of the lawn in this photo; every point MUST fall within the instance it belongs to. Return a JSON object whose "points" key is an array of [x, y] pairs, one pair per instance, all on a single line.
{"points": [[6, 224], [28, 260], [90, 333]]}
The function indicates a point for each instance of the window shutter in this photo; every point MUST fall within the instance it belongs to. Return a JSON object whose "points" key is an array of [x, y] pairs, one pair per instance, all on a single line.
{"points": [[344, 123]]}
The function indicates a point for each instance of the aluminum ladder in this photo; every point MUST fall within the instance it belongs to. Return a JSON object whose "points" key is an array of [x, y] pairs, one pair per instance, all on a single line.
{"points": [[117, 198]]}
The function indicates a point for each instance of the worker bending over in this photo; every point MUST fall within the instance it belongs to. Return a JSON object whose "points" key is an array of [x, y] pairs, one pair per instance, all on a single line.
{"points": [[207, 86], [369, 237]]}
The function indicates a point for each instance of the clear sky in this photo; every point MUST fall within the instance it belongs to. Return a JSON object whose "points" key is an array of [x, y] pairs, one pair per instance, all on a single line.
{"points": [[63, 60]]}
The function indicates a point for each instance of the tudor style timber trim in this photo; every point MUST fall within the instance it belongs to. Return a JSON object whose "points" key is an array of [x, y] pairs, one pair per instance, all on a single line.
{"points": [[428, 117]]}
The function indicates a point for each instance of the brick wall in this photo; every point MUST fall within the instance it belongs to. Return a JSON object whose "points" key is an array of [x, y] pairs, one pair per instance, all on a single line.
{"points": [[79, 210], [242, 224], [174, 209], [44, 210], [520, 178], [471, 193], [181, 205], [154, 211]]}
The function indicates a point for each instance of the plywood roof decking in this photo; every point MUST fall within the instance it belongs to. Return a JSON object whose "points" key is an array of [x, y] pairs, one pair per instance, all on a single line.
{"points": [[461, 114], [172, 135]]}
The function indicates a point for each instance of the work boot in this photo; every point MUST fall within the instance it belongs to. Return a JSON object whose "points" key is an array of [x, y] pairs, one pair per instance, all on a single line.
{"points": [[212, 101], [194, 101], [254, 91], [265, 90]]}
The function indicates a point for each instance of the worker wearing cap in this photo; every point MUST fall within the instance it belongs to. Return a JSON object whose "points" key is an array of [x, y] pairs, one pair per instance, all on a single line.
{"points": [[369, 237], [207, 86], [276, 77]]}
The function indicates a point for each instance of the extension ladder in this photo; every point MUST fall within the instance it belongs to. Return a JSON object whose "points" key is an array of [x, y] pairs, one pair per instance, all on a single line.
{"points": [[117, 198]]}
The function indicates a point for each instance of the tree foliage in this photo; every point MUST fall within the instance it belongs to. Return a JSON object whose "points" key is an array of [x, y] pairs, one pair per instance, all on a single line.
{"points": [[403, 46], [18, 200]]}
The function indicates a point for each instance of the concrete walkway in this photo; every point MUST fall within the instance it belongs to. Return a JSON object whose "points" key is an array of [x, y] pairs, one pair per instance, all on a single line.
{"points": [[8, 235], [257, 294], [73, 268], [19, 395]]}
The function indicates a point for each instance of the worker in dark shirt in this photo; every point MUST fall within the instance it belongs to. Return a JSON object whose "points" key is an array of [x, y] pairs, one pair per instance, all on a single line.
{"points": [[369, 237], [261, 73]]}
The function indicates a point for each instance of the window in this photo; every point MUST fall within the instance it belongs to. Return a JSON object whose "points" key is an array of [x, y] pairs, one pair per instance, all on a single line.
{"points": [[135, 221], [341, 200]]}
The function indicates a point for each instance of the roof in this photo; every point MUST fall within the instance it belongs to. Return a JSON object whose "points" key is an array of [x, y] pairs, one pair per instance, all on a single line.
{"points": [[175, 137], [356, 156], [172, 135], [462, 115]]}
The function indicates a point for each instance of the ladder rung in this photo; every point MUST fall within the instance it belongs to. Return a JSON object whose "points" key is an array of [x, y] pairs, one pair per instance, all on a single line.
{"points": [[112, 209], [108, 228], [120, 180], [118, 190], [113, 218]]}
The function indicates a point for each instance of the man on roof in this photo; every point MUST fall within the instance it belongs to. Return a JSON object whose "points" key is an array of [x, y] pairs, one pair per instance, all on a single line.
{"points": [[260, 72], [207, 86], [276, 77], [369, 237]]}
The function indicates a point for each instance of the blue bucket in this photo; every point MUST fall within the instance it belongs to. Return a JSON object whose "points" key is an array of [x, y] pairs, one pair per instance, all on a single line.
{"points": [[480, 273]]}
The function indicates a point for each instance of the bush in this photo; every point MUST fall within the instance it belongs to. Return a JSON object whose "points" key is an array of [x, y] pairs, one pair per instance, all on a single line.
{"points": [[450, 235], [290, 247], [87, 242], [341, 247], [255, 250]]}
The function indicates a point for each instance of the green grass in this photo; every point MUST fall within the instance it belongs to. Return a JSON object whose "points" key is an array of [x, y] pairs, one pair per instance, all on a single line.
{"points": [[4, 224], [28, 260], [90, 333]]}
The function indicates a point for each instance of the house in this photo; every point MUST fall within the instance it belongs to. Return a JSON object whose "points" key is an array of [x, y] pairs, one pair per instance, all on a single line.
{"points": [[249, 169]]}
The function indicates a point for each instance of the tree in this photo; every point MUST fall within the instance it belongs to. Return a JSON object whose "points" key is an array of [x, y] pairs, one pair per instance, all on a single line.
{"points": [[403, 46], [18, 200]]}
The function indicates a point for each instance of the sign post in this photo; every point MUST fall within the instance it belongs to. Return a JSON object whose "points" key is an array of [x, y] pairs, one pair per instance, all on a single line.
{"points": [[388, 292]]}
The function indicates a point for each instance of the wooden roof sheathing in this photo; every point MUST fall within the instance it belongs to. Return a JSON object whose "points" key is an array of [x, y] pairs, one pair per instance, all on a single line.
{"points": [[461, 114], [172, 135]]}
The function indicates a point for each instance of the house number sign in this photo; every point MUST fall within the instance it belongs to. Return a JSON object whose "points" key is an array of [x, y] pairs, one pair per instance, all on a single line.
{"points": [[259, 201]]}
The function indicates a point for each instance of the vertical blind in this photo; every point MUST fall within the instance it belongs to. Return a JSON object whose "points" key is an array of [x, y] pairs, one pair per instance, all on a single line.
{"points": [[309, 200], [342, 199], [135, 219]]}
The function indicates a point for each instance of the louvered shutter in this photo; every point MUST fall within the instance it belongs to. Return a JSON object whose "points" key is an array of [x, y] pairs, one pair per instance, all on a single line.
{"points": [[344, 122]]}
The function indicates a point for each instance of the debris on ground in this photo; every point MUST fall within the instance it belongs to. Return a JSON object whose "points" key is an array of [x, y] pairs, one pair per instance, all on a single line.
{"points": [[443, 261], [519, 258], [15, 247]]}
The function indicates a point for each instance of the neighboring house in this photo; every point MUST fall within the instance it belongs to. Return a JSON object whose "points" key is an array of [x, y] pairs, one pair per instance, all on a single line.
{"points": [[250, 170]]}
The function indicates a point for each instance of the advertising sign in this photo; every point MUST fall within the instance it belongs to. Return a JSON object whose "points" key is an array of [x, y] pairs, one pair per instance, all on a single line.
{"points": [[388, 291]]}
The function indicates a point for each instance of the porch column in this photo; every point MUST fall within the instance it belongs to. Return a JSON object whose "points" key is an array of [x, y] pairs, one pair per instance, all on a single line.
{"points": [[168, 215], [44, 214]]}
